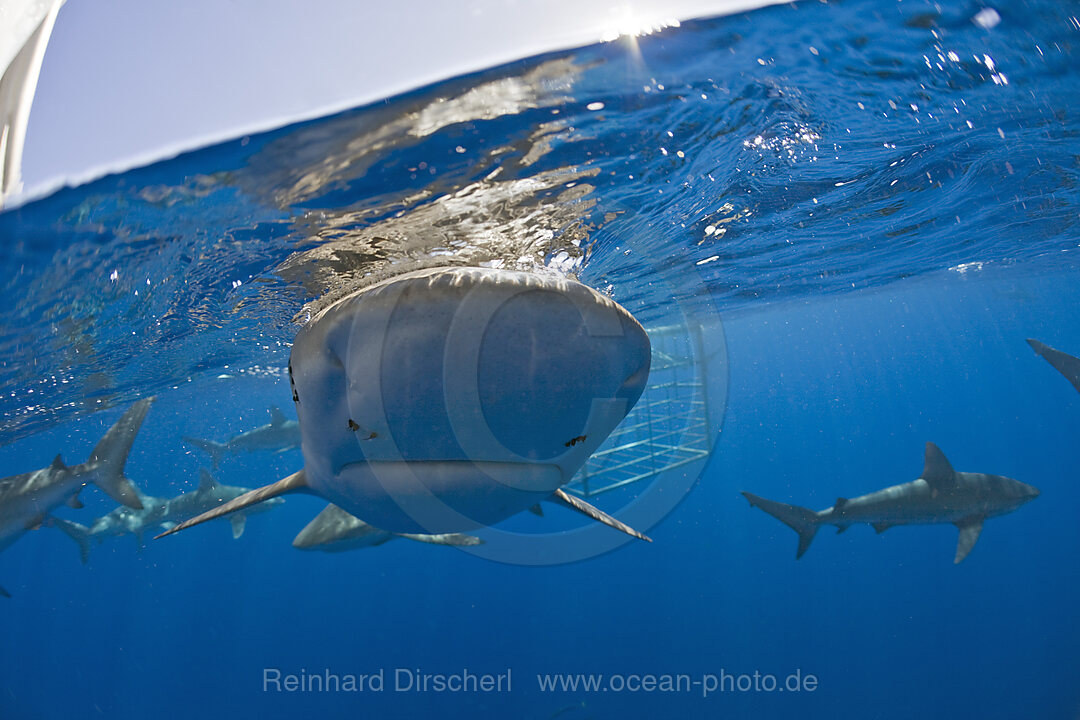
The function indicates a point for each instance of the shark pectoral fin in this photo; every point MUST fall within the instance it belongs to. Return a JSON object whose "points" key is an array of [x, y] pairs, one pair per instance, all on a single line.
{"points": [[841, 528], [969, 535], [881, 527], [75, 502], [4, 593], [297, 482], [455, 539], [537, 510], [79, 533], [576, 503], [239, 522], [35, 522], [937, 470]]}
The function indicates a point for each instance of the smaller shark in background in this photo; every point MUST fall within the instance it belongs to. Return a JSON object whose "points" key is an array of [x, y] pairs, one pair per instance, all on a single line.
{"points": [[334, 530], [941, 495], [161, 513], [26, 499], [1064, 363], [279, 435]]}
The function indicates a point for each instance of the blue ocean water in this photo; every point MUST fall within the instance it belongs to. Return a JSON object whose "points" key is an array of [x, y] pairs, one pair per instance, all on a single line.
{"points": [[866, 208]]}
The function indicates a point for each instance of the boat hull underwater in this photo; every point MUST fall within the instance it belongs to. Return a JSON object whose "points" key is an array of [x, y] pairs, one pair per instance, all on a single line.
{"points": [[448, 399]]}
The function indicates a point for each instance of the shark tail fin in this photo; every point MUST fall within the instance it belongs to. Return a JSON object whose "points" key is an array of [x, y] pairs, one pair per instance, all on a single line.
{"points": [[111, 453], [215, 450], [573, 502], [801, 520], [79, 533], [297, 482]]}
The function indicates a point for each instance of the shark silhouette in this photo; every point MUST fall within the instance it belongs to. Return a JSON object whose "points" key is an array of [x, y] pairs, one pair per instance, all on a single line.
{"points": [[279, 435], [334, 530], [940, 495], [26, 499], [161, 513]]}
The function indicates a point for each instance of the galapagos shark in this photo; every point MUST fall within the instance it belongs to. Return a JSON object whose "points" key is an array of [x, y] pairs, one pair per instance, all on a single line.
{"points": [[1064, 363], [26, 499], [334, 530], [161, 513], [279, 435], [940, 495], [447, 399]]}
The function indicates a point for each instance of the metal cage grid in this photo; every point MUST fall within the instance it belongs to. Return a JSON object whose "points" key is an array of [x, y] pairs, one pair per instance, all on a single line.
{"points": [[667, 428]]}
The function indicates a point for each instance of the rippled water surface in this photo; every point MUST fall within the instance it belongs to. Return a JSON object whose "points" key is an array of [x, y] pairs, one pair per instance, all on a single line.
{"points": [[794, 151]]}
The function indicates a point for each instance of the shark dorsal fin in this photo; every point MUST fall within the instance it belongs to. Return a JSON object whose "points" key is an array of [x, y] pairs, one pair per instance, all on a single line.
{"points": [[937, 470], [206, 480], [58, 463], [276, 416]]}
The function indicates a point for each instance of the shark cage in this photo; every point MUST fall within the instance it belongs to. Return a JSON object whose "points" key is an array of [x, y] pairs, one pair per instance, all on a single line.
{"points": [[675, 422]]}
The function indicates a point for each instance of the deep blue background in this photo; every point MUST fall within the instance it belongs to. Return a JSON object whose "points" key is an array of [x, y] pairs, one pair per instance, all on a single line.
{"points": [[828, 397]]}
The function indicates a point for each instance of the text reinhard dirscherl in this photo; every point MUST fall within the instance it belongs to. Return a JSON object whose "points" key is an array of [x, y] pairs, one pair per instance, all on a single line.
{"points": [[396, 680], [412, 680]]}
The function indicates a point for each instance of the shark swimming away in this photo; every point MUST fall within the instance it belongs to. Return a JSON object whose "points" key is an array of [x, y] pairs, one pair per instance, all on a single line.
{"points": [[448, 399], [940, 495], [161, 514], [26, 499], [279, 435], [1064, 363], [334, 530]]}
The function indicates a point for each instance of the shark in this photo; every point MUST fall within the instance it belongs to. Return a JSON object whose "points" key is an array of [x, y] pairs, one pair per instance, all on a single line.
{"points": [[447, 399], [279, 435], [940, 495], [161, 513], [26, 499], [334, 530], [1064, 363]]}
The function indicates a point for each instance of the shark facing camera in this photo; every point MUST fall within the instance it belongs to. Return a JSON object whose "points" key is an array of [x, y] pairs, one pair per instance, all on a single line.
{"points": [[444, 400]]}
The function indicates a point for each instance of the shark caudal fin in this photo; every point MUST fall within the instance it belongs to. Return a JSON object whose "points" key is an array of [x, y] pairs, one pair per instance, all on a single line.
{"points": [[297, 482], [215, 450], [111, 453], [575, 503], [79, 533], [801, 520]]}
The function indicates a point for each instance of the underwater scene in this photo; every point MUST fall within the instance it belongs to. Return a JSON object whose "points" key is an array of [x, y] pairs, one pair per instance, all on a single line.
{"points": [[724, 371]]}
